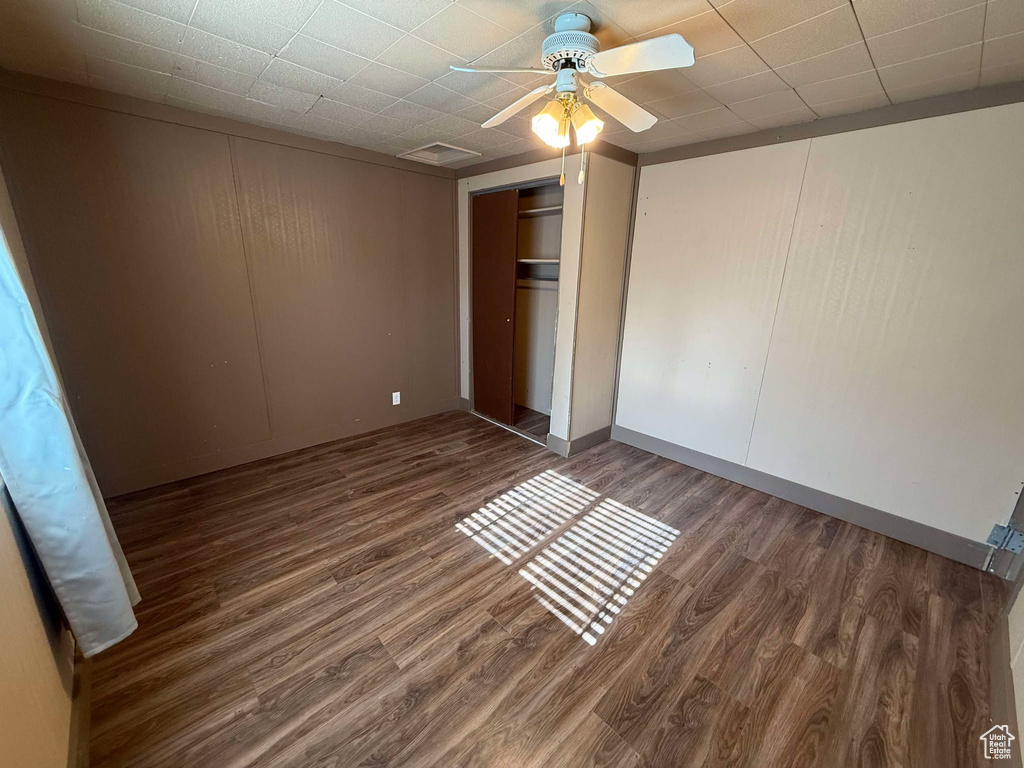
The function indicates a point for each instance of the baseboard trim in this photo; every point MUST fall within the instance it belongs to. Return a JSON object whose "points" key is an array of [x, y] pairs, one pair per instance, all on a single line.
{"points": [[193, 466], [464, 405], [567, 448], [81, 704], [973, 553]]}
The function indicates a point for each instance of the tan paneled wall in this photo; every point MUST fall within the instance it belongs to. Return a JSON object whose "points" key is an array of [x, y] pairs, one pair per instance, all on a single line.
{"points": [[215, 300]]}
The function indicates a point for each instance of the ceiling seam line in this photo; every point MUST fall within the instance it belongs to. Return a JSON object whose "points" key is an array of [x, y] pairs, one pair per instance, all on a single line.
{"points": [[984, 31], [770, 67], [871, 56]]}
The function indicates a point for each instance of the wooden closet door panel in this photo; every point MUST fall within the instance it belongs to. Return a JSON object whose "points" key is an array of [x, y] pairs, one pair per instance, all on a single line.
{"points": [[495, 233]]}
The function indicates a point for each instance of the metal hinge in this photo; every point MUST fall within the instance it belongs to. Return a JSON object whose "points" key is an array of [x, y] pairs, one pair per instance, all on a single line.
{"points": [[1006, 537]]}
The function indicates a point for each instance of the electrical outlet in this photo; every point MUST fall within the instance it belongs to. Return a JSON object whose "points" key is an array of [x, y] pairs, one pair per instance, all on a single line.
{"points": [[396, 398]]}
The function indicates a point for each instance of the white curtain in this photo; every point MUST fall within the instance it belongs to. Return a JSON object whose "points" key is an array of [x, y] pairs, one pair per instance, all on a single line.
{"points": [[48, 475]]}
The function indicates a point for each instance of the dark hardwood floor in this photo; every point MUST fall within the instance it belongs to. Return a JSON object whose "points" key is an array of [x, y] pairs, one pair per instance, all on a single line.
{"points": [[445, 593], [529, 420]]}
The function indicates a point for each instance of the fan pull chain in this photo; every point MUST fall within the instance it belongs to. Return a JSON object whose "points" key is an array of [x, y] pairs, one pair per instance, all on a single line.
{"points": [[583, 163], [561, 179]]}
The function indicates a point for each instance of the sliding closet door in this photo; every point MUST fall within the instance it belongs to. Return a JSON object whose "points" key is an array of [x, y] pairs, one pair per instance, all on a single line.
{"points": [[495, 230]]}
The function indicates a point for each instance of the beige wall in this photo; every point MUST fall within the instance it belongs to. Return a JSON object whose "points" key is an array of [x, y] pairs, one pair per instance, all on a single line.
{"points": [[36, 664], [877, 358], [215, 299]]}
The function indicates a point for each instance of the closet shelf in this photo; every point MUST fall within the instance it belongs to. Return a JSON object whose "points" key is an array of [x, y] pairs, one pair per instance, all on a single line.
{"points": [[548, 211], [536, 261]]}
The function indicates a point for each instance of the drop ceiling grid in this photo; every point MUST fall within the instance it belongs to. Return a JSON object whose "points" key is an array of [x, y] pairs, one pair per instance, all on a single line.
{"points": [[373, 73]]}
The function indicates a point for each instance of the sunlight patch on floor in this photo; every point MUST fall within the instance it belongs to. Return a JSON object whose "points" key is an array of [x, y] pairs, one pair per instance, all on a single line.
{"points": [[520, 519], [586, 575]]}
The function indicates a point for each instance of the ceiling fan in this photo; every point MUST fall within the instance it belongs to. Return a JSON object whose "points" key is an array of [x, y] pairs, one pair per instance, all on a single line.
{"points": [[572, 51]]}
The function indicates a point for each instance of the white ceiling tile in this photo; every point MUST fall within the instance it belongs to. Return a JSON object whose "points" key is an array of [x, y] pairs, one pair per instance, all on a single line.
{"points": [[607, 31], [518, 127], [800, 115], [772, 104], [1004, 17], [437, 97], [725, 66], [321, 126], [362, 98], [850, 60], [727, 130], [684, 104], [655, 85], [828, 32], [937, 87], [507, 99], [192, 106], [393, 82], [197, 93], [418, 57], [850, 105], [341, 113], [212, 76], [708, 33], [235, 20], [387, 126], [479, 86], [288, 75], [350, 30], [278, 96], [177, 10], [413, 114], [484, 138], [516, 17], [266, 114], [880, 16], [928, 68], [405, 15], [713, 118], [462, 32], [131, 23], [521, 51], [754, 19], [321, 57], [750, 87], [224, 53], [840, 89], [450, 126], [929, 37], [1003, 50], [479, 114], [1004, 74], [156, 82], [107, 46], [639, 17], [128, 89]]}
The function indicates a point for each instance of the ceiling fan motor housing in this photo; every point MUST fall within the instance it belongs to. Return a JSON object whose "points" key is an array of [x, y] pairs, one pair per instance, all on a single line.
{"points": [[571, 45]]}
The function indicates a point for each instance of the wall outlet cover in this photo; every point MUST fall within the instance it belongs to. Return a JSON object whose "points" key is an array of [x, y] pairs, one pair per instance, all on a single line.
{"points": [[396, 398]]}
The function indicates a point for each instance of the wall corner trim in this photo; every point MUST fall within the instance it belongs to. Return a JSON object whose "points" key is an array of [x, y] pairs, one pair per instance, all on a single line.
{"points": [[973, 553]]}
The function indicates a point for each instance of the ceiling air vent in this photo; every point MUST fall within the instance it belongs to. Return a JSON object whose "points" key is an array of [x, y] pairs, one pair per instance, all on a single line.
{"points": [[438, 154]]}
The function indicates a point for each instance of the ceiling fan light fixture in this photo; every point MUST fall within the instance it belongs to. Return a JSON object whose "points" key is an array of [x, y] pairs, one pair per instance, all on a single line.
{"points": [[552, 125], [586, 123]]}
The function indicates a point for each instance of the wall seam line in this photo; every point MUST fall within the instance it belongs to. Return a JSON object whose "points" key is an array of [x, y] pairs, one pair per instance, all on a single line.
{"points": [[252, 295], [778, 301]]}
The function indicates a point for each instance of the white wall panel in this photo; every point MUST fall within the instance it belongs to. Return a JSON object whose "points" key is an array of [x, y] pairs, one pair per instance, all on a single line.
{"points": [[709, 252], [895, 376]]}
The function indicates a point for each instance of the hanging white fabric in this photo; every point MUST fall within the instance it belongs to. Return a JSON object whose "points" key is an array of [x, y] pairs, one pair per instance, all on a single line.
{"points": [[49, 478]]}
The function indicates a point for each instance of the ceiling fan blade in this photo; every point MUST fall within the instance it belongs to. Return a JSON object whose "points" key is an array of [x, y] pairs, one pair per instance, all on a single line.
{"points": [[515, 106], [666, 52], [618, 106], [499, 70]]}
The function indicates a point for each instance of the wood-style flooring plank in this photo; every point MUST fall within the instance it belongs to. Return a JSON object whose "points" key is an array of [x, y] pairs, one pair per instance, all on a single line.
{"points": [[343, 605]]}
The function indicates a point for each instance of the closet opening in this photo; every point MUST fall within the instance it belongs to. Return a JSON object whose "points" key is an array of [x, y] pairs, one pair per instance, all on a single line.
{"points": [[516, 245]]}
